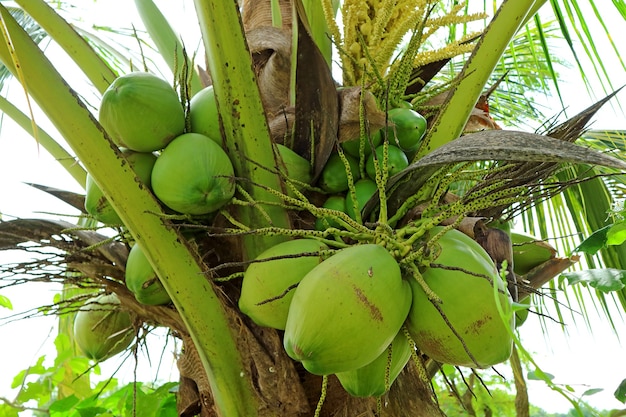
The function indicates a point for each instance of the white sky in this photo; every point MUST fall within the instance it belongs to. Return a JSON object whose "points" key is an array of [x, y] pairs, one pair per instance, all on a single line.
{"points": [[583, 360]]}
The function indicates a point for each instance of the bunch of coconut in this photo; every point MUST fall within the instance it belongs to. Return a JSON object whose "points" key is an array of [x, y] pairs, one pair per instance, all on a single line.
{"points": [[188, 172], [388, 149], [358, 313], [340, 310]]}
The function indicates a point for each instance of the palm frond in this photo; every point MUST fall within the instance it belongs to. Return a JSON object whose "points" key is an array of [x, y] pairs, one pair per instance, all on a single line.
{"points": [[31, 27], [578, 21]]}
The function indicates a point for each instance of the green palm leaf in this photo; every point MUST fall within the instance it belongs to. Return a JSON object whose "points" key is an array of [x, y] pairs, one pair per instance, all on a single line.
{"points": [[31, 27], [572, 17]]}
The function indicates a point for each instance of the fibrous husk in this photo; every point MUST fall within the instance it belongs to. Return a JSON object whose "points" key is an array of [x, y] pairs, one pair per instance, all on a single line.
{"points": [[271, 55], [350, 101], [256, 14]]}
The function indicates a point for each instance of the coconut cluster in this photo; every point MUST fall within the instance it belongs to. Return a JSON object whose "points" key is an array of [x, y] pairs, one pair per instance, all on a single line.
{"points": [[354, 313], [188, 171], [386, 152], [353, 309]]}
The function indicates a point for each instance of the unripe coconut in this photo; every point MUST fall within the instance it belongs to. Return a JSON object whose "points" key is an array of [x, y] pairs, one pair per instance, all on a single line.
{"points": [[364, 189], [203, 114], [522, 310], [294, 167], [347, 310], [266, 291], [101, 328], [98, 206], [193, 175], [407, 130], [396, 161], [142, 112], [334, 176], [369, 381], [469, 305], [334, 202], [529, 252], [142, 281], [352, 147]]}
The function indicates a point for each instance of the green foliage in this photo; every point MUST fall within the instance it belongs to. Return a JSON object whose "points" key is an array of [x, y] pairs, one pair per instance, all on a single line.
{"points": [[499, 398], [152, 401], [524, 72], [5, 302], [620, 392], [604, 279], [613, 234], [496, 396], [40, 384]]}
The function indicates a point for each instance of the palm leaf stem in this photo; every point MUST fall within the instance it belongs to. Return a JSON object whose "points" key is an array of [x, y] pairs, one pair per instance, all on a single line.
{"points": [[456, 110], [246, 133]]}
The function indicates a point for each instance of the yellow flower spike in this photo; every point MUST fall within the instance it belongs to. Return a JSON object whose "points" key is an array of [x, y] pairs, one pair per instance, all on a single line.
{"points": [[355, 49], [373, 30], [448, 51], [449, 20], [392, 39], [383, 11], [331, 23], [366, 29]]}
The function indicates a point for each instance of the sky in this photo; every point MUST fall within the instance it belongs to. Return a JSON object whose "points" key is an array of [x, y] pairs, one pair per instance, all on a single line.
{"points": [[584, 358]]}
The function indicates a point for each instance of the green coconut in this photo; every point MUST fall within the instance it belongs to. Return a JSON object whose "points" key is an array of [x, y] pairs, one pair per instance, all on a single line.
{"points": [[407, 129], [463, 276], [364, 189], [98, 206], [142, 112], [142, 281], [529, 252], [334, 176], [347, 310], [352, 147], [294, 167], [268, 286], [193, 175], [333, 202], [204, 116], [369, 381], [101, 328], [396, 161]]}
